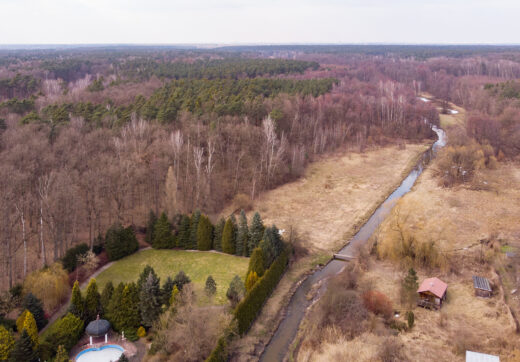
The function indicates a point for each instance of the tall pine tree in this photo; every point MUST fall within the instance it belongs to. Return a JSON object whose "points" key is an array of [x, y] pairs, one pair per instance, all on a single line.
{"points": [[144, 276], [204, 233], [163, 237], [35, 306], [256, 232], [256, 262], [217, 235], [92, 301], [183, 238], [23, 349], [106, 295], [242, 235], [271, 245], [77, 306], [193, 230], [228, 238], [113, 310], [150, 300]]}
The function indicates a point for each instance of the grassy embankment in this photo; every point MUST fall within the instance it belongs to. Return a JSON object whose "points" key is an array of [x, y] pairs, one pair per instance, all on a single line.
{"points": [[197, 265], [470, 225], [324, 209]]}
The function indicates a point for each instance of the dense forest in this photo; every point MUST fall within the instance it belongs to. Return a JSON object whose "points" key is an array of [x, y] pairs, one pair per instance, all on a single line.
{"points": [[93, 136]]}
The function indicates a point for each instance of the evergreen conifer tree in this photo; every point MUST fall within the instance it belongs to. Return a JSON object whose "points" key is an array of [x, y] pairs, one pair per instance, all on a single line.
{"points": [[150, 300], [236, 291], [130, 300], [77, 307], [256, 232], [6, 343], [211, 286], [271, 245], [163, 237], [150, 227], [242, 236], [35, 306], [183, 238], [193, 230], [144, 276], [252, 278], [29, 325], [228, 238], [24, 350], [113, 312], [181, 279], [409, 288], [92, 301], [166, 291], [204, 233], [20, 320], [217, 235], [256, 262], [106, 295]]}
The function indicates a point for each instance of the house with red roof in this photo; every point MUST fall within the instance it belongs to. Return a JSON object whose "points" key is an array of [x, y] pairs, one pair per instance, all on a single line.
{"points": [[432, 292]]}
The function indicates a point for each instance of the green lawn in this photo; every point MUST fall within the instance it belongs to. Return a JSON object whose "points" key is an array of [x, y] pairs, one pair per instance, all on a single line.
{"points": [[198, 265]]}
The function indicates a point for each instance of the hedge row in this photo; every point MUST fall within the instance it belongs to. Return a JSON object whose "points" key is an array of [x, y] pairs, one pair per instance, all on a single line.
{"points": [[219, 353], [250, 306]]}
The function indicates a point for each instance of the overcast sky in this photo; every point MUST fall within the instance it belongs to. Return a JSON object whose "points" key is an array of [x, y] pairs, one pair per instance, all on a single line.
{"points": [[259, 21]]}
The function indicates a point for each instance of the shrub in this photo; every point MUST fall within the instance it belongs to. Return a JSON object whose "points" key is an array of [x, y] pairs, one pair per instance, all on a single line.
{"points": [[236, 291], [141, 332], [181, 279], [120, 242], [342, 308], [65, 332], [20, 320], [250, 306], [211, 286], [391, 350], [61, 355], [242, 201], [50, 285], [378, 303], [70, 260]]}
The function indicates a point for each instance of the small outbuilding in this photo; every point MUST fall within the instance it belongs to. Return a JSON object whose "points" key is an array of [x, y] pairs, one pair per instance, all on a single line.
{"points": [[482, 287], [480, 357], [432, 292], [98, 328]]}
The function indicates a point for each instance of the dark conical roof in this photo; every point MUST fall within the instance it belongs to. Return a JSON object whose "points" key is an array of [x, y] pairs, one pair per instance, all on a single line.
{"points": [[98, 327]]}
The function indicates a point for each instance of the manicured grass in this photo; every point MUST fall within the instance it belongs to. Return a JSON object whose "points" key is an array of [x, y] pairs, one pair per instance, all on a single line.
{"points": [[196, 264]]}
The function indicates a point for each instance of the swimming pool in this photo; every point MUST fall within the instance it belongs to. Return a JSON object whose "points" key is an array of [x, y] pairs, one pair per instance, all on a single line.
{"points": [[108, 353]]}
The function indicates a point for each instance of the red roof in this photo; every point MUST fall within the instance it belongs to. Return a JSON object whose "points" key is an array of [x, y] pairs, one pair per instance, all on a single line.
{"points": [[433, 285]]}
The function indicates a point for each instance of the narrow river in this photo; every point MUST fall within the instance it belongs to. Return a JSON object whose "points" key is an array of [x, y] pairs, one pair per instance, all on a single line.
{"points": [[277, 348]]}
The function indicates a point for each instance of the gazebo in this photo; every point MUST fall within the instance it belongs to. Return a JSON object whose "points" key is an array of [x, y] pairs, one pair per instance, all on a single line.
{"points": [[98, 328]]}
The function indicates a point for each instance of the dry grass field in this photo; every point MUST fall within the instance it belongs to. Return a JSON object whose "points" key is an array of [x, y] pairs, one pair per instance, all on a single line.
{"points": [[472, 225], [335, 195]]}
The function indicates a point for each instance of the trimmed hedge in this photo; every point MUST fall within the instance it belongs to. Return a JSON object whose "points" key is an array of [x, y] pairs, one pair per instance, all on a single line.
{"points": [[250, 306], [219, 353]]}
